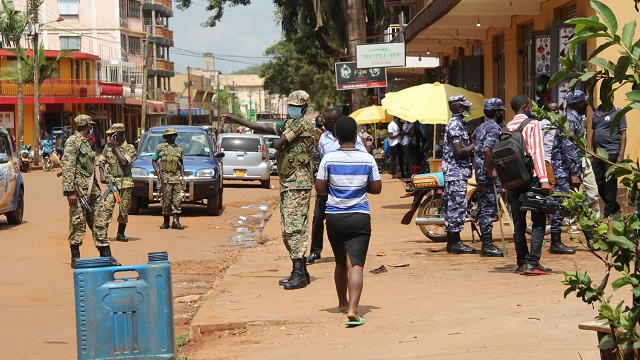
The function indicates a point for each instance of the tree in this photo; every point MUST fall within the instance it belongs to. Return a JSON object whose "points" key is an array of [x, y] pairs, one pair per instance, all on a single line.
{"points": [[249, 70], [616, 236], [12, 25]]}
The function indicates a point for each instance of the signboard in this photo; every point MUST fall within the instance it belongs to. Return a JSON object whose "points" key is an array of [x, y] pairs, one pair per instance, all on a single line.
{"points": [[349, 77], [380, 55], [185, 112], [99, 115], [6, 120]]}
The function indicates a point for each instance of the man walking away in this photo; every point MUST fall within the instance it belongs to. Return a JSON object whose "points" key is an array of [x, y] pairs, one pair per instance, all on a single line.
{"points": [[615, 145], [457, 157], [394, 131], [407, 149], [528, 261], [486, 136], [327, 143]]}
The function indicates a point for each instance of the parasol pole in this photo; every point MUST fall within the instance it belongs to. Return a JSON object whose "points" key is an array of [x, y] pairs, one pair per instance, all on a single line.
{"points": [[435, 127]]}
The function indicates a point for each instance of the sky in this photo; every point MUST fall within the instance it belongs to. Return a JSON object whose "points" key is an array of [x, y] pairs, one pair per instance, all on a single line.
{"points": [[238, 40]]}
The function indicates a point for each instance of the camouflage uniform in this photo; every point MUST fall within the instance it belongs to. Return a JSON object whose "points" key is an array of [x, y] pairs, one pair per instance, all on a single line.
{"points": [[78, 164], [456, 173], [295, 168], [565, 161], [171, 157], [486, 136], [121, 177]]}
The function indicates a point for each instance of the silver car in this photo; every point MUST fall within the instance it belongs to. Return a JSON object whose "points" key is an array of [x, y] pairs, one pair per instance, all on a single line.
{"points": [[271, 140], [246, 158]]}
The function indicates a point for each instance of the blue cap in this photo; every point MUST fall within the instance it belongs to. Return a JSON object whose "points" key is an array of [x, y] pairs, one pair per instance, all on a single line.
{"points": [[459, 99], [493, 104], [574, 97]]}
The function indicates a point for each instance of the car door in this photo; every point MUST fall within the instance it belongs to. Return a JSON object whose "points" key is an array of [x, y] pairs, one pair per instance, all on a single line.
{"points": [[6, 172]]}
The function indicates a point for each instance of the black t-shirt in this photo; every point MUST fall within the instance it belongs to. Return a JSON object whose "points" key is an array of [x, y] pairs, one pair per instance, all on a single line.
{"points": [[601, 130]]}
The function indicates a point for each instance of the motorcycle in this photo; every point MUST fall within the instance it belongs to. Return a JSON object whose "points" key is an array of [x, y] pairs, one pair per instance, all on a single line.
{"points": [[431, 210], [25, 157], [50, 161]]}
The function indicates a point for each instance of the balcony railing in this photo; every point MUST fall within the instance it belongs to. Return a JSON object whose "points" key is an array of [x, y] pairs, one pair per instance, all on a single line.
{"points": [[164, 65], [167, 3], [166, 33], [56, 88]]}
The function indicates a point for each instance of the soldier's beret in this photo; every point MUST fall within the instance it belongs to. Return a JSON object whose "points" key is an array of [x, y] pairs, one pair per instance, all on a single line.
{"points": [[117, 127], [82, 120]]}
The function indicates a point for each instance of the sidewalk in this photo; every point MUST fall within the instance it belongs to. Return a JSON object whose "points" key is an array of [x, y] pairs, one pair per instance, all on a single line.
{"points": [[439, 307]]}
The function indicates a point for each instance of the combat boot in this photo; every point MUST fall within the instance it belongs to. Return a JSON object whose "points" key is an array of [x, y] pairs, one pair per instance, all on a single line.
{"points": [[298, 280], [557, 247], [281, 282], [176, 222], [165, 224], [75, 255], [121, 236], [456, 246], [488, 249], [105, 251]]}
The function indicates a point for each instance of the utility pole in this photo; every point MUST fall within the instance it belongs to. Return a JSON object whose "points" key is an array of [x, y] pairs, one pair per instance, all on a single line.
{"points": [[218, 96], [145, 81], [189, 87], [35, 9]]}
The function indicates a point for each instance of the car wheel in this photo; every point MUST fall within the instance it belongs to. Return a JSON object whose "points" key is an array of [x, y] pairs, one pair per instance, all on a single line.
{"points": [[221, 196], [134, 209], [15, 217], [266, 184], [213, 205]]}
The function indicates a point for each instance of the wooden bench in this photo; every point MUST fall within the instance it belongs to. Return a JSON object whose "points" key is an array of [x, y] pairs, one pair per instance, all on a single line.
{"points": [[601, 330]]}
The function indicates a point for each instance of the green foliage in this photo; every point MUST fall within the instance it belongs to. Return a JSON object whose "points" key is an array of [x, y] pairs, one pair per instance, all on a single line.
{"points": [[614, 240], [249, 70], [12, 24], [225, 95], [22, 70]]}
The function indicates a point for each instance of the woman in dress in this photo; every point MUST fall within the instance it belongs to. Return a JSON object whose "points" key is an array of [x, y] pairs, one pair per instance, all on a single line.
{"points": [[347, 175]]}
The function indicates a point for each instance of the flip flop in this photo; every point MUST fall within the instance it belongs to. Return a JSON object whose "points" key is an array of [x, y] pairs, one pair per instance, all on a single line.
{"points": [[343, 311], [358, 322]]}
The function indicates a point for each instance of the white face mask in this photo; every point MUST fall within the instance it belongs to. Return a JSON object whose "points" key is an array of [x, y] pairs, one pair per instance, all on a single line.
{"points": [[294, 112]]}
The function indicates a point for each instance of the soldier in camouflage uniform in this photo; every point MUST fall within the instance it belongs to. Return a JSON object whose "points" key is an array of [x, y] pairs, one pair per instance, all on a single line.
{"points": [[457, 156], [567, 166], [117, 156], [171, 174], [486, 136], [78, 171], [295, 168]]}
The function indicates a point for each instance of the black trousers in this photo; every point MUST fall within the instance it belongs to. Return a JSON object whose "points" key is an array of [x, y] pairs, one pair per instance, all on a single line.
{"points": [[524, 254], [317, 224], [397, 157], [607, 189]]}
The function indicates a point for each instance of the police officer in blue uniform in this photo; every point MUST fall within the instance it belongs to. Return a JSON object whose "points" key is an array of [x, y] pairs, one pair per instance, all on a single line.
{"points": [[486, 136], [567, 166], [457, 158]]}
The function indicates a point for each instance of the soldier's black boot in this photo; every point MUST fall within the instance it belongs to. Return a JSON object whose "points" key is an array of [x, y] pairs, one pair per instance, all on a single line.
{"points": [[121, 236], [456, 245], [165, 224], [105, 251], [282, 282], [488, 249], [298, 280], [176, 222], [557, 247], [75, 255]]}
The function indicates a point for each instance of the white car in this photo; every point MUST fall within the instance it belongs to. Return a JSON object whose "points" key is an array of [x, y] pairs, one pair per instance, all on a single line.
{"points": [[245, 158], [11, 184]]}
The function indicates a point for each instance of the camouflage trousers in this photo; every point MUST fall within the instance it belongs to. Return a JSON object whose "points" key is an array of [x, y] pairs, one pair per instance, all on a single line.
{"points": [[455, 199], [294, 221], [171, 198], [487, 206], [79, 219], [105, 213], [562, 185]]}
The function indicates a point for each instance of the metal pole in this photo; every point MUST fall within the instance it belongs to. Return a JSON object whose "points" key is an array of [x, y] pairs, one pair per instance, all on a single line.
{"points": [[35, 8], [189, 86], [145, 83]]}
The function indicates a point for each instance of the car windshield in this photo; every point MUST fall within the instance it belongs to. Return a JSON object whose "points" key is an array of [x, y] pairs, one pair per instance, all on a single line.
{"points": [[193, 143]]}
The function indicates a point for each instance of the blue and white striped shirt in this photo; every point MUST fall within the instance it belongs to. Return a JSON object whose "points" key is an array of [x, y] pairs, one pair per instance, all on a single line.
{"points": [[348, 173]]}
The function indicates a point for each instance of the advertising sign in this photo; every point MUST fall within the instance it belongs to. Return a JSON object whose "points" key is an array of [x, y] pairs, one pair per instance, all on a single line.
{"points": [[380, 55], [6, 120], [349, 77]]}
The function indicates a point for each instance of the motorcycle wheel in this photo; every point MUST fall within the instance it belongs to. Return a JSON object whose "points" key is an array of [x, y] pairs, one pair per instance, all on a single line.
{"points": [[24, 167], [429, 208], [48, 165]]}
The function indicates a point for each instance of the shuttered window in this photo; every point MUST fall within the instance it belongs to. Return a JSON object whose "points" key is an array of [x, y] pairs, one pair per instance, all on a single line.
{"points": [[526, 40], [568, 11]]}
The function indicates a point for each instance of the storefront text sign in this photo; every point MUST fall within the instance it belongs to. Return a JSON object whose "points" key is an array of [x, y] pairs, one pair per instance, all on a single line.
{"points": [[349, 77], [380, 55]]}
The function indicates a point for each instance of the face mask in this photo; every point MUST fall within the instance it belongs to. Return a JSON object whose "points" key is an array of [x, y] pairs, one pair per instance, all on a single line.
{"points": [[540, 89], [499, 118], [294, 112], [466, 113], [90, 130], [528, 113]]}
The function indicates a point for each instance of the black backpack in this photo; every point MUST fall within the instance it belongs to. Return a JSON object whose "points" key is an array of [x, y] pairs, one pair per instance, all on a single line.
{"points": [[510, 159]]}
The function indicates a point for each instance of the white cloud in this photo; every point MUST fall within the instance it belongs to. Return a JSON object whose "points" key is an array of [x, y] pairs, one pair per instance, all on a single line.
{"points": [[243, 31]]}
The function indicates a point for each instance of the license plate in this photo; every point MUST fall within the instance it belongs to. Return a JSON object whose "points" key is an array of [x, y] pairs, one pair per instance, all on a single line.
{"points": [[240, 173]]}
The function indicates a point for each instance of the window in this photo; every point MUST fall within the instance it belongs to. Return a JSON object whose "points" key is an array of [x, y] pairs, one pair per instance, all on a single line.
{"points": [[68, 7], [134, 45], [70, 43], [500, 63], [568, 11], [526, 43], [123, 41], [134, 9]]}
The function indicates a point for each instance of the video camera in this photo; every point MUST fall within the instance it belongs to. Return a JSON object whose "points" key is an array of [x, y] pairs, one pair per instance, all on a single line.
{"points": [[536, 201]]}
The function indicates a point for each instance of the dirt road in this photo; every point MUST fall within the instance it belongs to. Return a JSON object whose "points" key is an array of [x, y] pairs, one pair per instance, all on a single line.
{"points": [[37, 296]]}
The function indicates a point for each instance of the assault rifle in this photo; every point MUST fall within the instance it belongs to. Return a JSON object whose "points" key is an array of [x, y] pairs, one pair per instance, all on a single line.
{"points": [[112, 189], [82, 197], [536, 201]]}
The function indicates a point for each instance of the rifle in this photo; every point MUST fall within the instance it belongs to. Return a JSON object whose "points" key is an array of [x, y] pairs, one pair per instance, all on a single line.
{"points": [[112, 189], [80, 194]]}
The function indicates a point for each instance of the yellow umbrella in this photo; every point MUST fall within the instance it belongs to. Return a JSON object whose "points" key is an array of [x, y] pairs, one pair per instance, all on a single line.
{"points": [[371, 115], [428, 103]]}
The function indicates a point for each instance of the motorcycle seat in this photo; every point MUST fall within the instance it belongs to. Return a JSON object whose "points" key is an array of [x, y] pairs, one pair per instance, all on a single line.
{"points": [[428, 180]]}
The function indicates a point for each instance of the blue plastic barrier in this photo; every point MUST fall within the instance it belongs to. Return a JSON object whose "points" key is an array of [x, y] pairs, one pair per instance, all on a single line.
{"points": [[124, 312]]}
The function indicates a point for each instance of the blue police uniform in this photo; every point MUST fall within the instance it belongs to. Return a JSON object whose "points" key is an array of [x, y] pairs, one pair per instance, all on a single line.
{"points": [[486, 136], [456, 173]]}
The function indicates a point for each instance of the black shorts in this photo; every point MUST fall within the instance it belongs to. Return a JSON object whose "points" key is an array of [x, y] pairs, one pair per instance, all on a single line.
{"points": [[349, 233]]}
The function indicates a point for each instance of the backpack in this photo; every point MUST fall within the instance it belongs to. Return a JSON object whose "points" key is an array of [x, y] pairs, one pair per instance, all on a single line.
{"points": [[510, 159]]}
